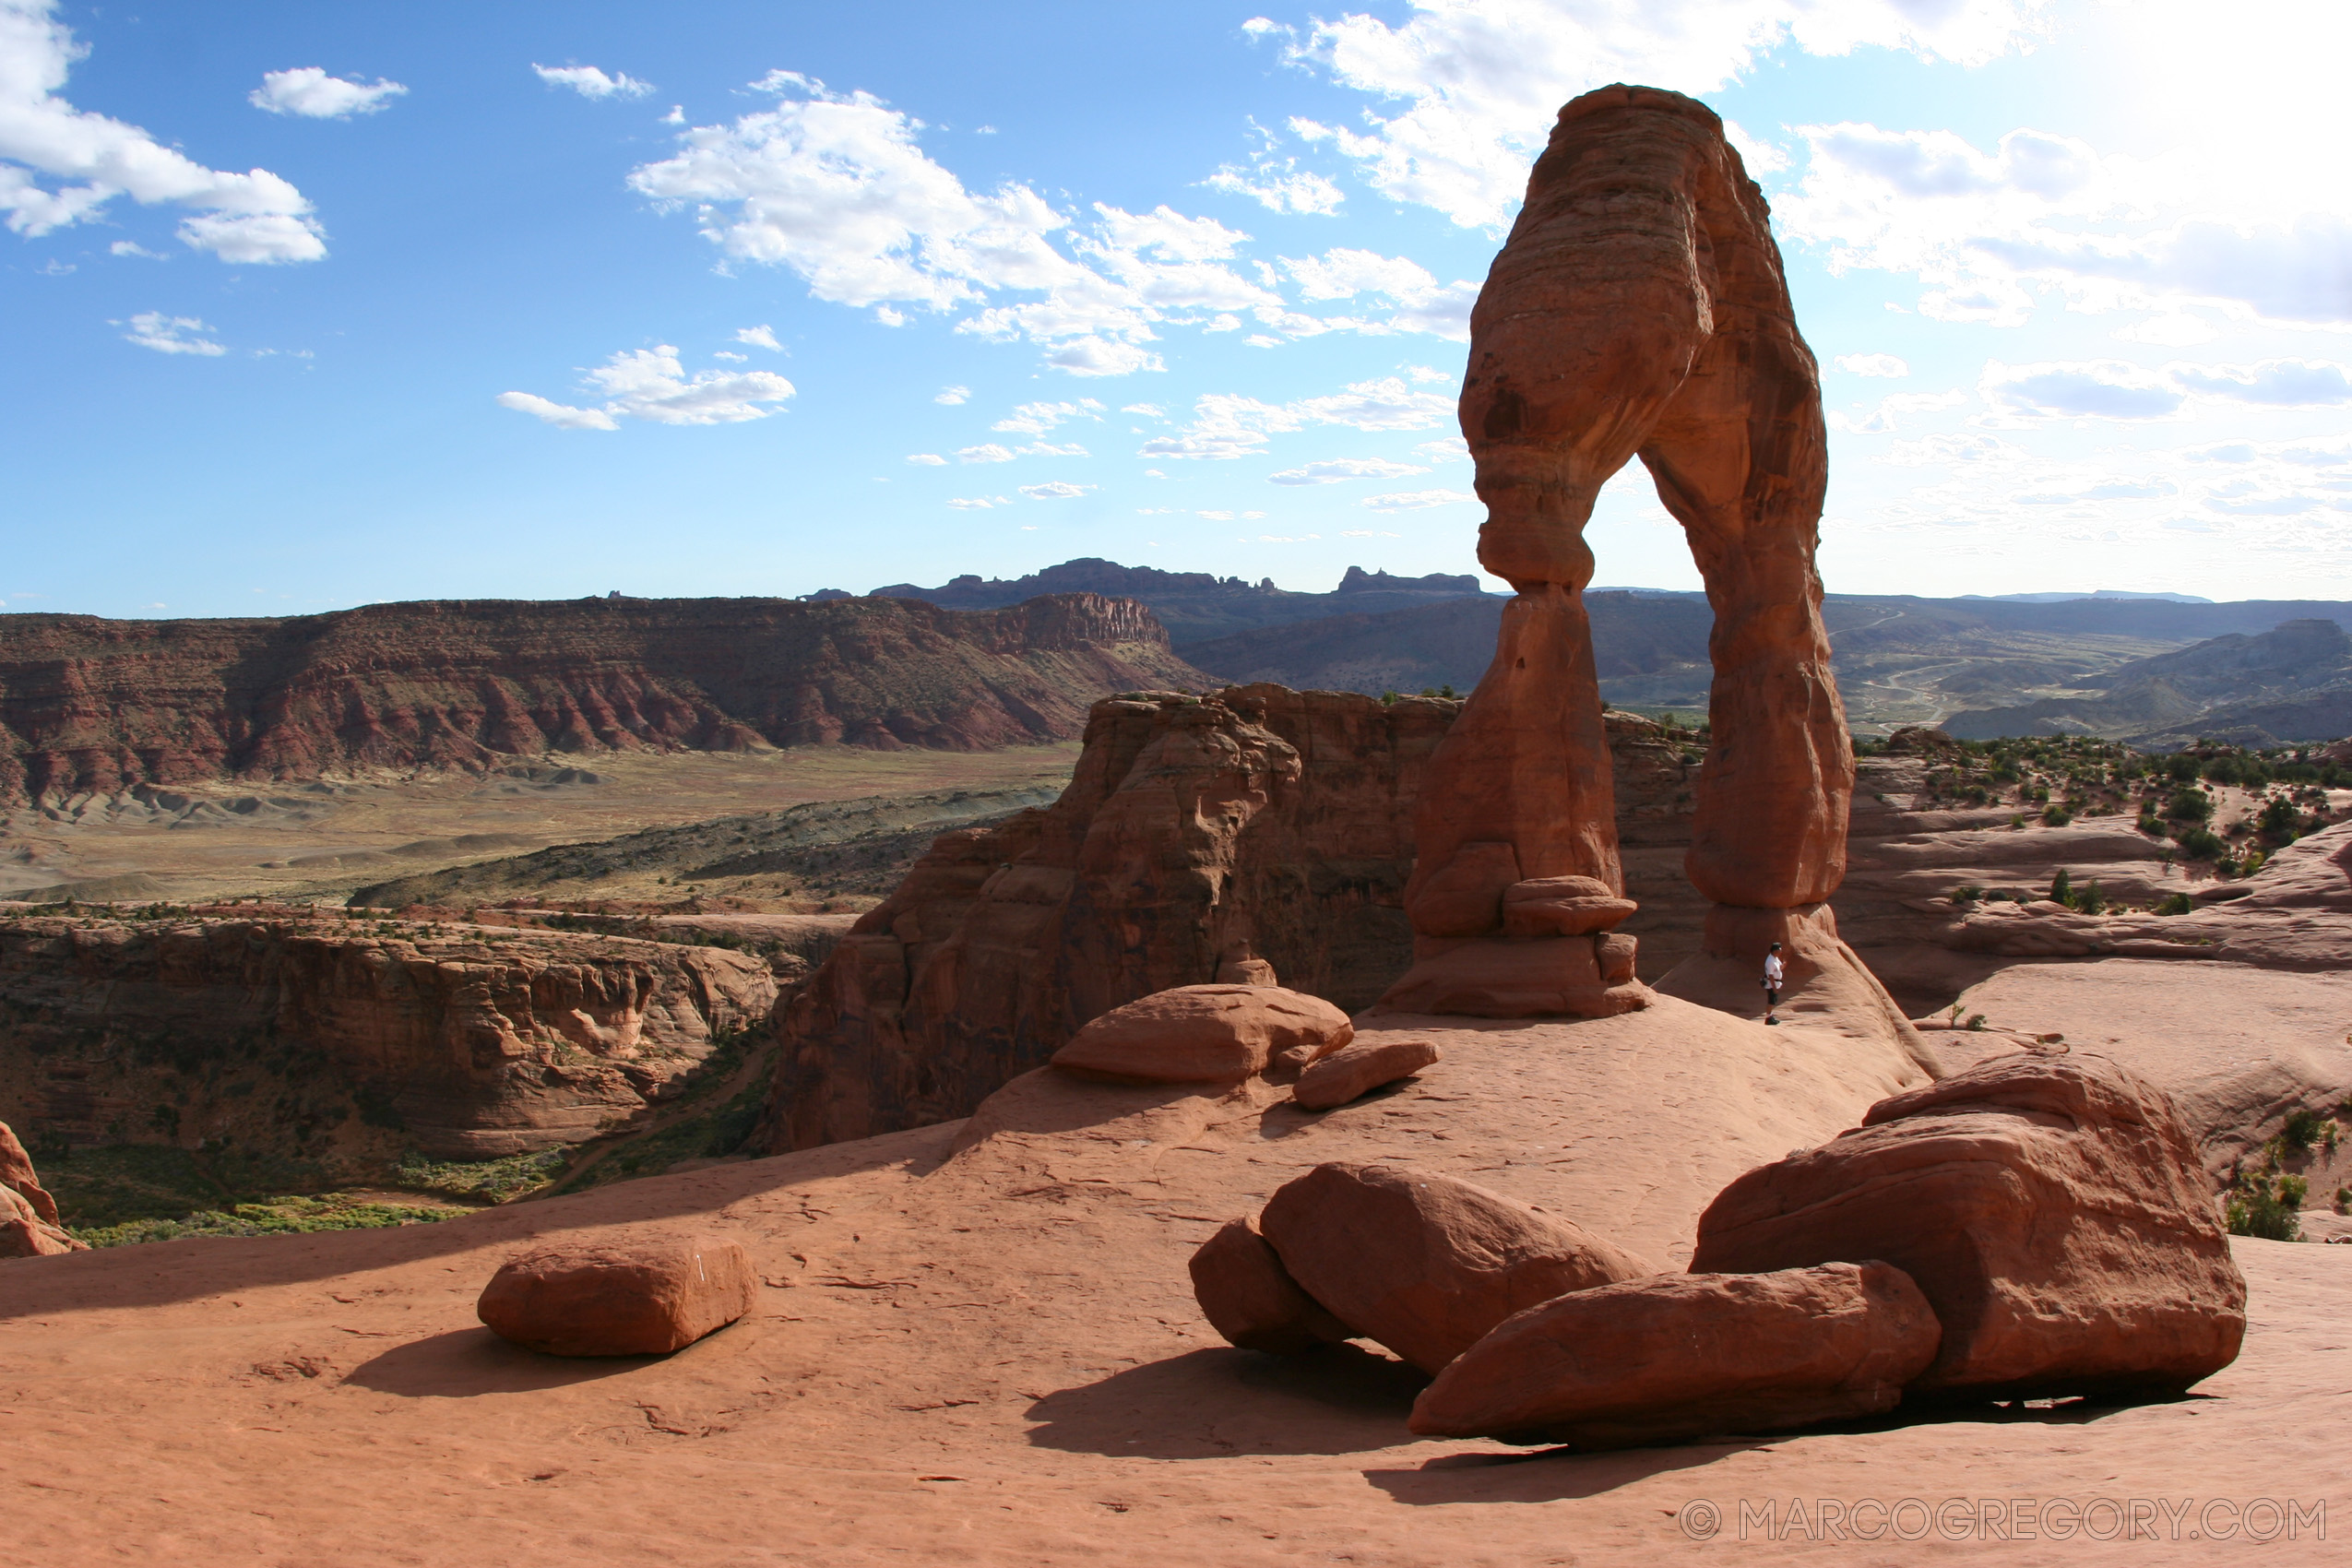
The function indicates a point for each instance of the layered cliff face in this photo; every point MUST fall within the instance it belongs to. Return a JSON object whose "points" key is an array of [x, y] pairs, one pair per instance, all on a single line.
{"points": [[464, 1041], [91, 705], [1198, 835]]}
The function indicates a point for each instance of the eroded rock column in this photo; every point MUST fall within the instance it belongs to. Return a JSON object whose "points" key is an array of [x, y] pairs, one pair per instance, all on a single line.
{"points": [[1638, 309]]}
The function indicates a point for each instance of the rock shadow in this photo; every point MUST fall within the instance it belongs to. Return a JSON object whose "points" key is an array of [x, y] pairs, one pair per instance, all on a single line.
{"points": [[465, 1362], [1544, 1475], [1217, 1403]]}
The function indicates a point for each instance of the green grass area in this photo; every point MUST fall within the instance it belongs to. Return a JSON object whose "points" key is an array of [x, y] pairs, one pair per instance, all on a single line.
{"points": [[272, 1216], [484, 1181]]}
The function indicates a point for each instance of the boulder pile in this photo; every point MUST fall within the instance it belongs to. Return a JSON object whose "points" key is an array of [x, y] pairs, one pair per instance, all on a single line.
{"points": [[1231, 1032], [2035, 1227], [619, 1295]]}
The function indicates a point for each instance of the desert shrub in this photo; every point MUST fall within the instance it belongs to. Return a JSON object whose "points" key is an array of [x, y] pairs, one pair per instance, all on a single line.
{"points": [[2061, 887], [2190, 805], [1976, 1020], [1975, 795], [2176, 905], [2302, 1130], [2266, 1207], [2280, 822], [2180, 767], [2056, 816], [1966, 894], [2090, 900], [2151, 825], [2199, 844]]}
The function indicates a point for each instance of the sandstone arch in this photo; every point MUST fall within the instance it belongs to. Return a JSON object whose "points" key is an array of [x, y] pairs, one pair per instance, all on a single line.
{"points": [[1638, 309]]}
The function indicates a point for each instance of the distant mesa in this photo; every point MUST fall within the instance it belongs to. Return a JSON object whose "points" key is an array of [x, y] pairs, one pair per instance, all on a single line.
{"points": [[1196, 605], [93, 706]]}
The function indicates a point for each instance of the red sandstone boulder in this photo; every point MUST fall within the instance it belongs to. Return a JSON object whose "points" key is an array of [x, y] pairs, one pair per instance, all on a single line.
{"points": [[1357, 1070], [1563, 906], [633, 1297], [1213, 1034], [1426, 1264], [1464, 896], [1498, 977], [1249, 1297], [2051, 1209], [1678, 1356], [28, 1227]]}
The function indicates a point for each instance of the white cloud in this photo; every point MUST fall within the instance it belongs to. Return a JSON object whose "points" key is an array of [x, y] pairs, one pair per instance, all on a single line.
{"points": [[836, 188], [760, 336], [589, 82], [651, 384], [730, 357], [1882, 419], [1226, 426], [1422, 305], [562, 415], [1885, 365], [2112, 389], [309, 91], [951, 395], [254, 217], [1035, 418], [990, 453], [1054, 490], [1413, 500], [132, 247], [928, 461], [1479, 81], [1445, 449], [1332, 470], [1281, 185], [171, 333], [978, 503]]}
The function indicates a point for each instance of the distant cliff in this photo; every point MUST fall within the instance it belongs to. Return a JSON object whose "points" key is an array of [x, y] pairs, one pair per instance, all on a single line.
{"points": [[1197, 605], [93, 705]]}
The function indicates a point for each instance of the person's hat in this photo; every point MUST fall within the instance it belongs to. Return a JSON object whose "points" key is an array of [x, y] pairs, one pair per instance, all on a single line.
{"points": [[1775, 946]]}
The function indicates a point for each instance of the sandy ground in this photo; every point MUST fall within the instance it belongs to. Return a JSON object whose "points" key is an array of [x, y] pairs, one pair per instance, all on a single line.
{"points": [[362, 825], [978, 1346]]}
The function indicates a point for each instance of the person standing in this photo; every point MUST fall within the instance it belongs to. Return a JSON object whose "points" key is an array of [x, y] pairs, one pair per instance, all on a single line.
{"points": [[1773, 975]]}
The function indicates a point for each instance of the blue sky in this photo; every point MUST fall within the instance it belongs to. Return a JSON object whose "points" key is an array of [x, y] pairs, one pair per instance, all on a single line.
{"points": [[311, 306]]}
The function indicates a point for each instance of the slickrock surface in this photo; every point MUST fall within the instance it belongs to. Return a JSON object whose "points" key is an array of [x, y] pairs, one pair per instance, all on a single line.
{"points": [[91, 705], [484, 1041], [1018, 1316], [1677, 1356], [2052, 1209], [1215, 1034], [1425, 1263], [619, 1295]]}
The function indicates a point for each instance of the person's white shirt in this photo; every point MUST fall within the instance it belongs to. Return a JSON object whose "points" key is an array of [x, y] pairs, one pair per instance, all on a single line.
{"points": [[1773, 971]]}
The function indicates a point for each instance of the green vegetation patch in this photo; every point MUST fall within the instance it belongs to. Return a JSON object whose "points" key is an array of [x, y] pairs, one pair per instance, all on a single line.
{"points": [[484, 1181], [273, 1217]]}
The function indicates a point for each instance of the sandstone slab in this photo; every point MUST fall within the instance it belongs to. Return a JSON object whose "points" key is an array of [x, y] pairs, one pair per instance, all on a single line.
{"points": [[1678, 1356], [1426, 1264], [1357, 1070], [625, 1297], [1205, 1033], [2051, 1209], [1249, 1297], [1496, 978]]}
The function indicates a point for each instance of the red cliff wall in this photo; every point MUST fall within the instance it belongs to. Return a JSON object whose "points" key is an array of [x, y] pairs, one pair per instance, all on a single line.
{"points": [[95, 705]]}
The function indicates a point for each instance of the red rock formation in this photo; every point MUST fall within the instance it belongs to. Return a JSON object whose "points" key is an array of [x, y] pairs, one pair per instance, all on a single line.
{"points": [[1638, 309], [620, 1296], [1357, 1070], [1214, 1034], [95, 705], [1680, 1356], [1249, 1297], [1261, 823], [478, 1042], [2052, 1209], [28, 1226], [1427, 1264]]}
